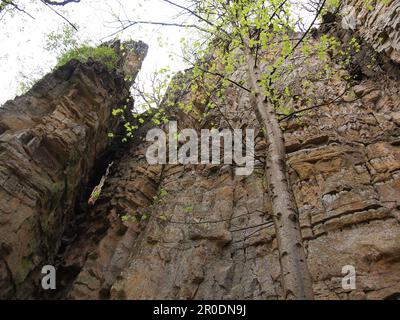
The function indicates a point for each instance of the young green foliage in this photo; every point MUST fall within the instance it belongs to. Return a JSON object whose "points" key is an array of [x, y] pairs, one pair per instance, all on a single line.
{"points": [[255, 46], [105, 55]]}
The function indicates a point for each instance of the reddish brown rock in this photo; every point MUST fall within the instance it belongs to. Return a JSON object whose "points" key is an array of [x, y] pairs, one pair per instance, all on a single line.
{"points": [[50, 139], [210, 235]]}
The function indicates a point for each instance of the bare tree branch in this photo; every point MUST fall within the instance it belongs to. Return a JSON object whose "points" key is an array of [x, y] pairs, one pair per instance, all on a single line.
{"points": [[157, 23], [8, 2], [59, 14], [62, 3]]}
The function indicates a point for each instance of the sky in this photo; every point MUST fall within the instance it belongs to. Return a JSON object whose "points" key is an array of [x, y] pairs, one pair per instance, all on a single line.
{"points": [[22, 38]]}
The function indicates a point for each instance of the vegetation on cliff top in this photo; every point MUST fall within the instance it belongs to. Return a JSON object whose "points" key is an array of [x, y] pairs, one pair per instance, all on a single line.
{"points": [[65, 45], [105, 55]]}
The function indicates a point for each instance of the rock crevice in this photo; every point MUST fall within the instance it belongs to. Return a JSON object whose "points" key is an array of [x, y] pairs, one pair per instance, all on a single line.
{"points": [[50, 139]]}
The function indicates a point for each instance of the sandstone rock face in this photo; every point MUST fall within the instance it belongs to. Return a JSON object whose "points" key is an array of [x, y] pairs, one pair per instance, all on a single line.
{"points": [[199, 231], [210, 234], [101, 252], [376, 22], [50, 139], [218, 241]]}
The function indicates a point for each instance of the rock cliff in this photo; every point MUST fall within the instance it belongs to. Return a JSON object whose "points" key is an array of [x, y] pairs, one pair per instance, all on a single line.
{"points": [[219, 242], [201, 232], [376, 22], [52, 141]]}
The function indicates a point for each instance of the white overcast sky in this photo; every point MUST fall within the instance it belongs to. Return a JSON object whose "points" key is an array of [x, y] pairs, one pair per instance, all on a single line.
{"points": [[22, 38]]}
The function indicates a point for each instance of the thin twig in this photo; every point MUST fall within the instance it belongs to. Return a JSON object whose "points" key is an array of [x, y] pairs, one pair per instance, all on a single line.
{"points": [[19, 9], [163, 24], [334, 101], [49, 4]]}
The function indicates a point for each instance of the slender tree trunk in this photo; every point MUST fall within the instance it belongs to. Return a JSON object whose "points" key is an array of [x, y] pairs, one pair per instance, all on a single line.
{"points": [[296, 279]]}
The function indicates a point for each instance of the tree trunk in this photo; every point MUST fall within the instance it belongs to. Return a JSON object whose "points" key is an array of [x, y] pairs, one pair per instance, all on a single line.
{"points": [[296, 279]]}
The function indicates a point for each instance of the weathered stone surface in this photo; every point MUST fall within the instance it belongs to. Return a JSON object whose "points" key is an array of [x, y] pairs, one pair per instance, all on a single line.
{"points": [[218, 241], [211, 235], [101, 251], [50, 139], [200, 232], [376, 22]]}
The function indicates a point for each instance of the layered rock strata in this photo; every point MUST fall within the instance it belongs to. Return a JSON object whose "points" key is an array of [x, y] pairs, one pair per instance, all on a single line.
{"points": [[50, 141]]}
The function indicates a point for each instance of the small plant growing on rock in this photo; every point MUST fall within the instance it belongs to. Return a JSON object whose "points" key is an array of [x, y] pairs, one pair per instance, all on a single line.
{"points": [[134, 218], [188, 209], [159, 197], [66, 45], [105, 55], [127, 218]]}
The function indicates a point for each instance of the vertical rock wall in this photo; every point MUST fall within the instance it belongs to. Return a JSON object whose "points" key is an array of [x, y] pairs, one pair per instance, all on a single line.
{"points": [[200, 231], [50, 139], [219, 243], [377, 22], [218, 240]]}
